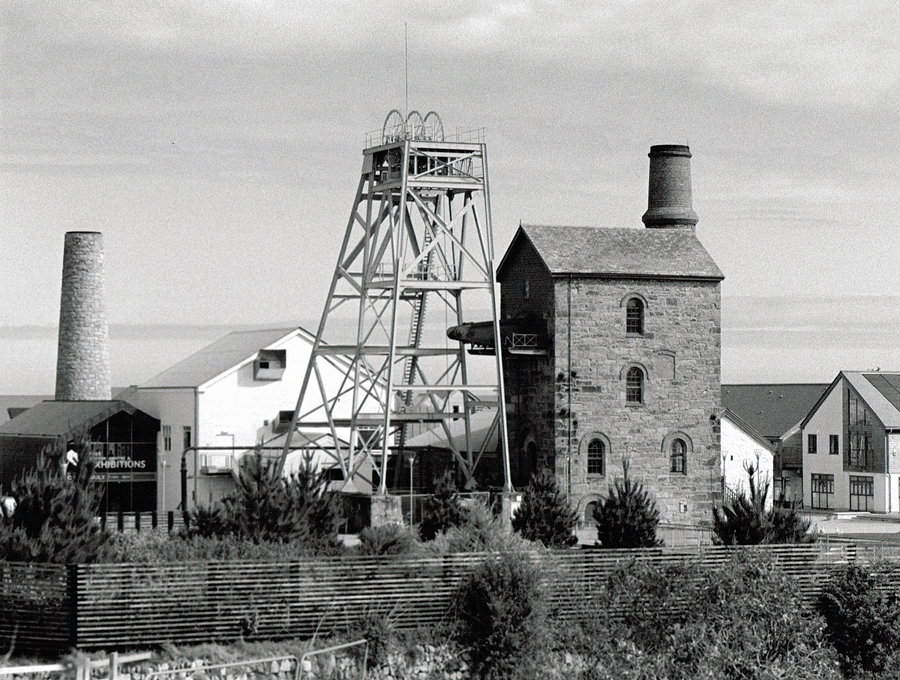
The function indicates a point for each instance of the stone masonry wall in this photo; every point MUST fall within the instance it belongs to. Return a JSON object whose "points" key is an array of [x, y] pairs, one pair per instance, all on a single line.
{"points": [[82, 363], [563, 403]]}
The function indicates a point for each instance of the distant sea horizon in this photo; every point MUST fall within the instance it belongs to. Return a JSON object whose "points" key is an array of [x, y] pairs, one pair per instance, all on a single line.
{"points": [[764, 340]]}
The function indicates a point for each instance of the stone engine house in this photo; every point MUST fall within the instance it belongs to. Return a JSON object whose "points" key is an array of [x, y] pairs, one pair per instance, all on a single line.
{"points": [[621, 358]]}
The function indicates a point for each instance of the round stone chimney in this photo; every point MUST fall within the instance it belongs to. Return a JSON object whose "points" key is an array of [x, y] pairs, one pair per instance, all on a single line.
{"points": [[82, 360], [669, 199]]}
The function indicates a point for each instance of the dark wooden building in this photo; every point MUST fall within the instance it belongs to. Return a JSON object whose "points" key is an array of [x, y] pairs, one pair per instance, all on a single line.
{"points": [[122, 438]]}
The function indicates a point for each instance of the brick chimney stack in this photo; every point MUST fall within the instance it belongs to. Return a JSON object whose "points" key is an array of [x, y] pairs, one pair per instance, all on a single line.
{"points": [[669, 199], [82, 361]]}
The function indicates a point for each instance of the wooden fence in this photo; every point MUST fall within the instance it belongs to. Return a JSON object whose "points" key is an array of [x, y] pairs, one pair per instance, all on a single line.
{"points": [[109, 606]]}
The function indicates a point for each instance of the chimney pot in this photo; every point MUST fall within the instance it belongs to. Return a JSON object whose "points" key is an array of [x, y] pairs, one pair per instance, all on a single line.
{"points": [[669, 203]]}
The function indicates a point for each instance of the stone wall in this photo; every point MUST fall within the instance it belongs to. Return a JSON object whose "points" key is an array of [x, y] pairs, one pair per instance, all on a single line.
{"points": [[577, 392]]}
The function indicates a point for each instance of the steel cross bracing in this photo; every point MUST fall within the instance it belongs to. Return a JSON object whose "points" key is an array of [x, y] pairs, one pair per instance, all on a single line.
{"points": [[418, 239]]}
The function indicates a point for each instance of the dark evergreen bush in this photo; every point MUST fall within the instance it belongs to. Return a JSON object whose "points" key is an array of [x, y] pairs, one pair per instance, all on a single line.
{"points": [[502, 618], [628, 516], [744, 520], [442, 510], [56, 510], [545, 515], [863, 619], [268, 508]]}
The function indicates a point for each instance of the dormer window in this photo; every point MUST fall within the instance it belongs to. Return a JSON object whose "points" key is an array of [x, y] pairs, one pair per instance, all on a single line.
{"points": [[270, 364], [634, 317]]}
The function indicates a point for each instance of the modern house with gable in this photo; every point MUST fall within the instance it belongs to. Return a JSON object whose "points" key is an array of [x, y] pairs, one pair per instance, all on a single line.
{"points": [[851, 444], [776, 411]]}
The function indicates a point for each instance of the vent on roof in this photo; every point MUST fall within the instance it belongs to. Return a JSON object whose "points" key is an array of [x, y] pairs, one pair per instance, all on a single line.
{"points": [[282, 422], [270, 364]]}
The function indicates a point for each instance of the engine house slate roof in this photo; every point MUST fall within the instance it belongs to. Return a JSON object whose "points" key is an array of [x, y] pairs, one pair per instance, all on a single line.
{"points": [[618, 252], [222, 355], [772, 409]]}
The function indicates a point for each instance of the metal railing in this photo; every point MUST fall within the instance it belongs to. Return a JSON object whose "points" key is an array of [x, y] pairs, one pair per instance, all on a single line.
{"points": [[82, 669]]}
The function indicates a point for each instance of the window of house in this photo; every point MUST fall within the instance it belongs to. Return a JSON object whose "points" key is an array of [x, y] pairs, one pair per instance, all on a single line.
{"points": [[526, 289], [634, 386], [167, 437], [678, 457], [812, 443], [859, 414], [834, 444], [822, 488], [861, 454], [862, 493], [596, 454], [187, 436], [634, 317]]}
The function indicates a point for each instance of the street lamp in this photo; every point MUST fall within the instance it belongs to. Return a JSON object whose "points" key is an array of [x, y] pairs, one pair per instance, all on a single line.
{"points": [[411, 456]]}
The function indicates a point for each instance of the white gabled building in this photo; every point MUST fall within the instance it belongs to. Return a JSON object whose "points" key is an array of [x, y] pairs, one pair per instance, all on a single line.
{"points": [[851, 444], [235, 394], [743, 447]]}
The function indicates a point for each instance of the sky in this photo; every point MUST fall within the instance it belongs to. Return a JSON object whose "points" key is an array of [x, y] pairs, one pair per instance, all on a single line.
{"points": [[218, 145]]}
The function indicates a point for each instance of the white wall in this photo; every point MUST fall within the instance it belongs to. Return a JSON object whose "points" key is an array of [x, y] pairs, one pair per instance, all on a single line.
{"points": [[739, 451], [174, 408], [827, 420]]}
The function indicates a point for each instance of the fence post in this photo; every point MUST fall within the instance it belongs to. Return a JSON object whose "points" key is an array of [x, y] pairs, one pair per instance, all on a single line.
{"points": [[154, 520], [72, 588], [120, 521], [137, 522]]}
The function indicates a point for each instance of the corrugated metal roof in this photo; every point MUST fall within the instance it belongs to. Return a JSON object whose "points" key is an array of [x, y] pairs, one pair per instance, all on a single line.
{"points": [[222, 355], [640, 253], [772, 410], [54, 419]]}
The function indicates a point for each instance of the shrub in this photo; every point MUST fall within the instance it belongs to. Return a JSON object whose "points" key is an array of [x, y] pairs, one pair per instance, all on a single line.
{"points": [[745, 520], [863, 619], [392, 539], [502, 617], [628, 516], [268, 508], [442, 510], [55, 511], [745, 619], [481, 532], [545, 515], [152, 547]]}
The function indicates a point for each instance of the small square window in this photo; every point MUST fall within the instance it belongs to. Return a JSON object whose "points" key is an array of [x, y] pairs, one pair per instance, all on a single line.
{"points": [[812, 443], [834, 445]]}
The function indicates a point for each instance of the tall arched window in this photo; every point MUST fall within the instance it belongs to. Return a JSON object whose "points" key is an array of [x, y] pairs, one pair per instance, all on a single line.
{"points": [[634, 317], [596, 457], [634, 386], [678, 457]]}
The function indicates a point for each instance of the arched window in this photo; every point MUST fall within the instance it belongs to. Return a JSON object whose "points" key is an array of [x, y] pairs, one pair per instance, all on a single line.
{"points": [[589, 513], [596, 457], [634, 317], [678, 457], [634, 386]]}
